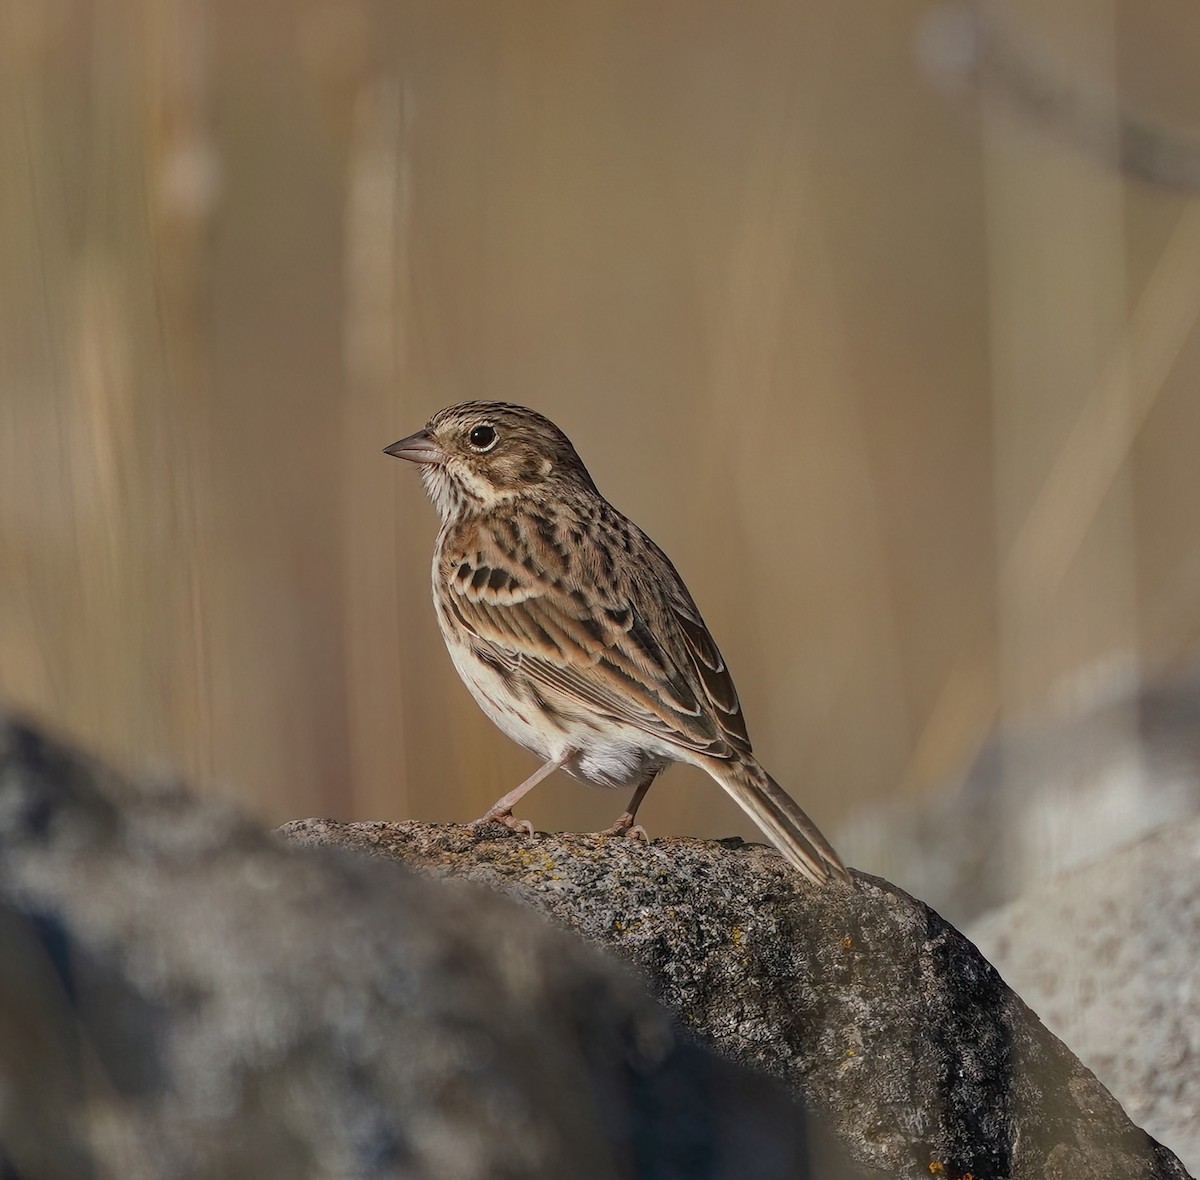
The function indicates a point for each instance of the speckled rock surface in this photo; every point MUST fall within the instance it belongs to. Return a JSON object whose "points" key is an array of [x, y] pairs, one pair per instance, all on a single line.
{"points": [[1109, 956], [880, 1014], [185, 996]]}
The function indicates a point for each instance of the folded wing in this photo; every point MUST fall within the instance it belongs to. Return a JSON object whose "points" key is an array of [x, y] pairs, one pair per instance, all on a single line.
{"points": [[631, 646]]}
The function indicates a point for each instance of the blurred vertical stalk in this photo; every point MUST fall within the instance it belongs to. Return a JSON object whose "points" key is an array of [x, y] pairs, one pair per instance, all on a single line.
{"points": [[183, 181], [1061, 401], [37, 527], [100, 511], [782, 401], [376, 316]]}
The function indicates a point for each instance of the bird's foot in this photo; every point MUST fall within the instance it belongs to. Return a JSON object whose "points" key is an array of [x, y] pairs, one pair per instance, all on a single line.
{"points": [[521, 826], [626, 827]]}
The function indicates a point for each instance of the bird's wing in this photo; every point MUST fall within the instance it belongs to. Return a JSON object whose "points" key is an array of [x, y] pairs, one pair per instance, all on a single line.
{"points": [[706, 658], [623, 639]]}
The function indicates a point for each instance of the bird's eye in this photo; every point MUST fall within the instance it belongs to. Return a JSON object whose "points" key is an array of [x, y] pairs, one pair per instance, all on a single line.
{"points": [[482, 438]]}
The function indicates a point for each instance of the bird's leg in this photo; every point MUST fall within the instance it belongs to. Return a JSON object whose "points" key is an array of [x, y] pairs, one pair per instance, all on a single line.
{"points": [[500, 812], [625, 825]]}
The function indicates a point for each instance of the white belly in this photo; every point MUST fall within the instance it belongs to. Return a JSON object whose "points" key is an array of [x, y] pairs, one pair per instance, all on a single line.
{"points": [[606, 752]]}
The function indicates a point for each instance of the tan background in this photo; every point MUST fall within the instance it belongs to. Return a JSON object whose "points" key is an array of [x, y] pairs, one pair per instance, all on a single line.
{"points": [[904, 382]]}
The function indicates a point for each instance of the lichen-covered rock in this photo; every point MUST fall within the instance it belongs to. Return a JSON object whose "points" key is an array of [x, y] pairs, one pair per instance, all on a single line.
{"points": [[184, 996], [884, 1017]]}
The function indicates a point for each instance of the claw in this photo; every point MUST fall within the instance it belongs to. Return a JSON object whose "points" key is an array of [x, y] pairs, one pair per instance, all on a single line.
{"points": [[521, 826], [626, 827]]}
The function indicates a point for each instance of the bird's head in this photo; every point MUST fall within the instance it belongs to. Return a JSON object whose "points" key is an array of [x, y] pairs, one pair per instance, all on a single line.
{"points": [[476, 455]]}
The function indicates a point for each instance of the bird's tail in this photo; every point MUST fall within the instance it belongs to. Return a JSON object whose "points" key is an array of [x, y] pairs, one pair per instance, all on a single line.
{"points": [[781, 819]]}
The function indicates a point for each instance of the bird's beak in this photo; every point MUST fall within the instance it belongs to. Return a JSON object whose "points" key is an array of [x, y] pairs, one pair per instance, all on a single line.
{"points": [[417, 448]]}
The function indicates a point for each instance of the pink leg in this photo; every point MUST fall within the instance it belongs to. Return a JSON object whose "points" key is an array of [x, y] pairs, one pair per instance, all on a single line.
{"points": [[625, 825], [501, 811]]}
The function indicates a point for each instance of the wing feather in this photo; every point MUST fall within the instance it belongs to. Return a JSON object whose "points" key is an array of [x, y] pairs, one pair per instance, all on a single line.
{"points": [[632, 648]]}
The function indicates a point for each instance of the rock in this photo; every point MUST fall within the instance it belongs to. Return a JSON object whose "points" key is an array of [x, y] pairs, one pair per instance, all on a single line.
{"points": [[882, 1016], [1107, 955], [183, 995]]}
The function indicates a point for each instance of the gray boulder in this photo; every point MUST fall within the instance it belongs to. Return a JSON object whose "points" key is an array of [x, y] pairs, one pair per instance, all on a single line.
{"points": [[183, 995], [888, 1022], [1109, 956]]}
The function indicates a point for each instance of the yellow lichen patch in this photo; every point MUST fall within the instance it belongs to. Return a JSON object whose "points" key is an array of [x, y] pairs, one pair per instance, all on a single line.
{"points": [[534, 858], [938, 1168], [738, 935]]}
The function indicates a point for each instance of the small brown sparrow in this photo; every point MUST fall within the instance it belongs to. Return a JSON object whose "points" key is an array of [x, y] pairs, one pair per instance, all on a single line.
{"points": [[572, 630]]}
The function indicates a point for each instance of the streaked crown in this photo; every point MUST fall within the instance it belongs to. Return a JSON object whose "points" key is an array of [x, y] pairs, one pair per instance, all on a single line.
{"points": [[476, 454]]}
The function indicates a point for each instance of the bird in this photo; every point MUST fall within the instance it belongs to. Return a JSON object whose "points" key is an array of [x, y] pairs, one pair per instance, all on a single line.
{"points": [[574, 632]]}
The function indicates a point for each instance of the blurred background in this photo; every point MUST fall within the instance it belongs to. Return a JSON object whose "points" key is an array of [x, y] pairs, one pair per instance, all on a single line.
{"points": [[880, 318]]}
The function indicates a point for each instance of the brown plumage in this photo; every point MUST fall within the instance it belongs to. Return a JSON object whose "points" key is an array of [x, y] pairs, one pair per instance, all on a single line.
{"points": [[573, 630]]}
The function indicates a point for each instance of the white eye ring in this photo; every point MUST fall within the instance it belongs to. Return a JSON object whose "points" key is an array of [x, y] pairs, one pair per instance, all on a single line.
{"points": [[483, 437]]}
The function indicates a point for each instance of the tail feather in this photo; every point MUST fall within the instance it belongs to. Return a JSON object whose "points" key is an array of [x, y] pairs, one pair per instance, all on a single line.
{"points": [[781, 819]]}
